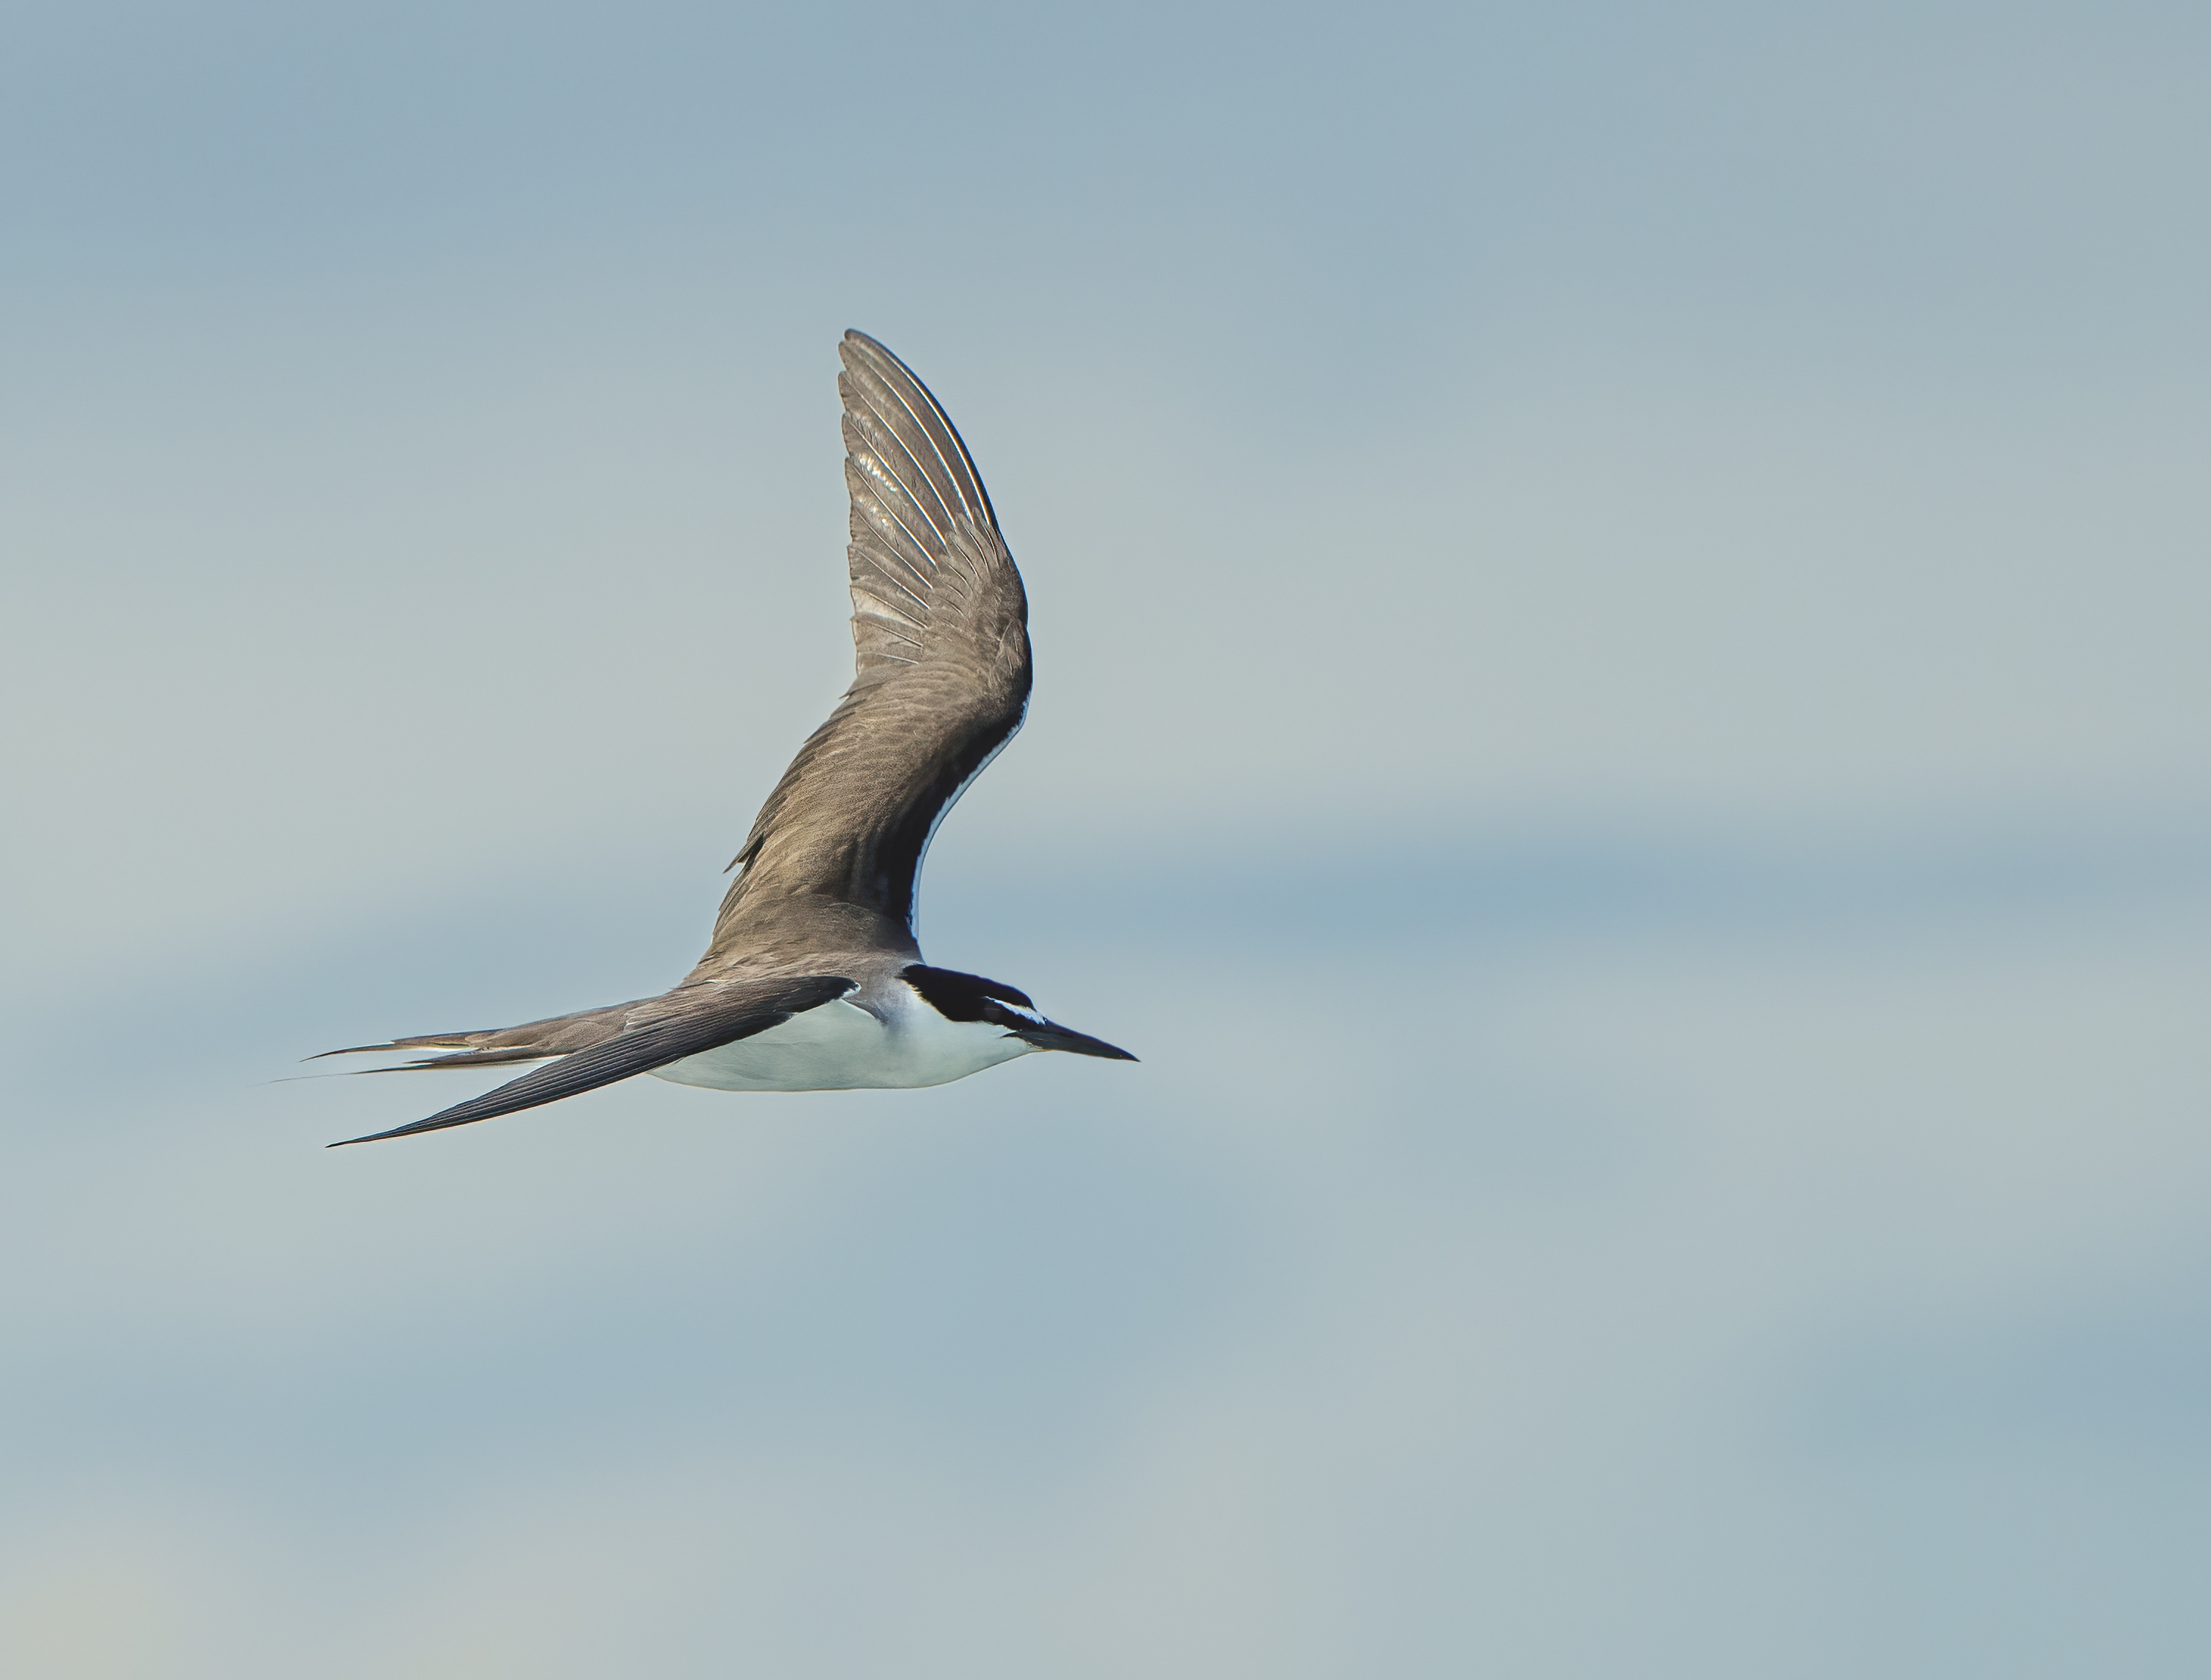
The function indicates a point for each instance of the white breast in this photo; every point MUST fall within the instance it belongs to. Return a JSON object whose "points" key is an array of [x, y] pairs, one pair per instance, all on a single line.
{"points": [[842, 1047]]}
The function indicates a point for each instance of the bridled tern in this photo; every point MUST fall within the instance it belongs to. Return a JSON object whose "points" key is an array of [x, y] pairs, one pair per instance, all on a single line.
{"points": [[814, 980]]}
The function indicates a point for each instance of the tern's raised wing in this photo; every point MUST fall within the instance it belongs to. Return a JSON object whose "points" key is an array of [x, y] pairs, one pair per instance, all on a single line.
{"points": [[939, 626]]}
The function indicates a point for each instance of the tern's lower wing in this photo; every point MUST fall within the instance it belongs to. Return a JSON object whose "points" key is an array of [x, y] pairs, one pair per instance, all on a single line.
{"points": [[667, 1029]]}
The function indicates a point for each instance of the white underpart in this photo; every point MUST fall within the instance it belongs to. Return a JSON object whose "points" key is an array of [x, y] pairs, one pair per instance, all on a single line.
{"points": [[843, 1047]]}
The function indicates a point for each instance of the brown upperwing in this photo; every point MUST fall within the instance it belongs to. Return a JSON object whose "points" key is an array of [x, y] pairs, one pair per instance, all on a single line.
{"points": [[940, 628]]}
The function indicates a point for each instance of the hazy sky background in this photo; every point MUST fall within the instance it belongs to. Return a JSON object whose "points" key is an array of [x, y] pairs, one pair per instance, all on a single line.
{"points": [[1620, 600]]}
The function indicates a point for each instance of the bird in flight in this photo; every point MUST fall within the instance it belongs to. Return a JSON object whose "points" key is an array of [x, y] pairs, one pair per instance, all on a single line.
{"points": [[814, 980]]}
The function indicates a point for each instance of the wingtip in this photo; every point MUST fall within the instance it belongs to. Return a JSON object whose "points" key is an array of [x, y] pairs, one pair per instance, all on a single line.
{"points": [[877, 356], [372, 1137], [437, 1122], [378, 1137]]}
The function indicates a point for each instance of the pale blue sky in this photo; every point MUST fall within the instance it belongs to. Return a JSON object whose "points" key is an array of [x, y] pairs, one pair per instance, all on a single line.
{"points": [[1620, 594]]}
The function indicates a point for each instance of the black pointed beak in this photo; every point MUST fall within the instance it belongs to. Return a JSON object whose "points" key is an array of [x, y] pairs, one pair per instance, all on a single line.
{"points": [[1051, 1036]]}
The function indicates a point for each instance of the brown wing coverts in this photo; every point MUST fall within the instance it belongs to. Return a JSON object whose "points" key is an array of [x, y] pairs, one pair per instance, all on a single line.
{"points": [[939, 631]]}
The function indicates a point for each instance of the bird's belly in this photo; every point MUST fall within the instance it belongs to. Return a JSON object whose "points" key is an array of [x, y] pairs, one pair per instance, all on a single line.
{"points": [[842, 1047]]}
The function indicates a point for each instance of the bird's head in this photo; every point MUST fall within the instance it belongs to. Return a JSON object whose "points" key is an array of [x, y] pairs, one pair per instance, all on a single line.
{"points": [[969, 997]]}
